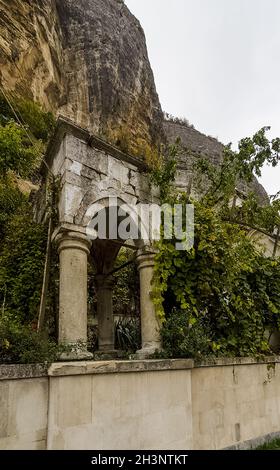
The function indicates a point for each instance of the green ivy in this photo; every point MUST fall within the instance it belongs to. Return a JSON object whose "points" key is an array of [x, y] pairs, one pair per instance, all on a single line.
{"points": [[22, 260], [22, 241], [222, 290], [12, 200], [222, 281], [164, 174]]}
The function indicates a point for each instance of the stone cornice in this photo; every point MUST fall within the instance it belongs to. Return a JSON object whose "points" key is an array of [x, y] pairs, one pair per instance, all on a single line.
{"points": [[65, 126], [63, 369]]}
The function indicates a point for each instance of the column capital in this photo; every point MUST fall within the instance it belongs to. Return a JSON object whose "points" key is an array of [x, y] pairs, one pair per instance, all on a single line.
{"points": [[146, 258], [72, 240]]}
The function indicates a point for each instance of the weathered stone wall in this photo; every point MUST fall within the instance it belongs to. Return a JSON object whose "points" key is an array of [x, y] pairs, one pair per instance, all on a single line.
{"points": [[91, 170], [160, 404]]}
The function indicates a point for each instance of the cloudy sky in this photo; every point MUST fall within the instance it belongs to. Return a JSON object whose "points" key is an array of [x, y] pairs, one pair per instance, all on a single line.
{"points": [[217, 63]]}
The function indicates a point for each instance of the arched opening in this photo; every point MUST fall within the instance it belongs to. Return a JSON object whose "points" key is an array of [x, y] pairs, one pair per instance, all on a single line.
{"points": [[114, 319], [124, 283]]}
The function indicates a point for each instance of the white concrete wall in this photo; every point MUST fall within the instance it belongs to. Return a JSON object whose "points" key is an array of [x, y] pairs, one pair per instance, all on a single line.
{"points": [[23, 414], [233, 404], [140, 405], [121, 411]]}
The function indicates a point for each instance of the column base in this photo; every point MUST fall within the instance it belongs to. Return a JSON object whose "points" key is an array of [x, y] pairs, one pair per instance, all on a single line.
{"points": [[76, 355], [147, 352], [104, 348], [108, 355]]}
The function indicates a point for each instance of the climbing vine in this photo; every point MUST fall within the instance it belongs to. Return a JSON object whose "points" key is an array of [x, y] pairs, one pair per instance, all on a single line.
{"points": [[220, 296], [163, 175]]}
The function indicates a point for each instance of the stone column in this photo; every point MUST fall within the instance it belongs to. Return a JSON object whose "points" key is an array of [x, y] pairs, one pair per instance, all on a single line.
{"points": [[149, 323], [73, 249], [106, 327]]}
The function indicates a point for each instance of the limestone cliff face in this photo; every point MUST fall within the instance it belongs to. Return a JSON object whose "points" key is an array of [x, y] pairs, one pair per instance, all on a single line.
{"points": [[31, 54], [86, 60]]}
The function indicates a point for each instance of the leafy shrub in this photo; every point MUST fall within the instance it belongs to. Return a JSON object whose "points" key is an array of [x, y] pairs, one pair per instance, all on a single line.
{"points": [[177, 120], [182, 339], [22, 242], [22, 258], [92, 335], [38, 122], [272, 445], [16, 152], [222, 279], [21, 344], [11, 202]]}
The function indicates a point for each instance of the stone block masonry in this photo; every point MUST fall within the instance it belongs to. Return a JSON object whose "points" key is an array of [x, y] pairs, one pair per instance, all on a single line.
{"points": [[91, 173]]}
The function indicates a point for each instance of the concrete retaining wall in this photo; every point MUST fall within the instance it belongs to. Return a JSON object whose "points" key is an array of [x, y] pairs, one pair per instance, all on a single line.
{"points": [[235, 403], [23, 407], [139, 405]]}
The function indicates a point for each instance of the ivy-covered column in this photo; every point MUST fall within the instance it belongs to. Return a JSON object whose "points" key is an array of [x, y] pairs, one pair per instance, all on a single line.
{"points": [[73, 249], [106, 327], [150, 327]]}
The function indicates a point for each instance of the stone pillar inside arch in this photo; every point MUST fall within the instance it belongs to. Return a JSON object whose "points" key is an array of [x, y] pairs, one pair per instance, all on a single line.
{"points": [[150, 326], [103, 256], [73, 249], [106, 327]]}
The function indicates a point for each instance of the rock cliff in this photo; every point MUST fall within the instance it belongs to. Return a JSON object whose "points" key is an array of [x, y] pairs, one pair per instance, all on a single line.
{"points": [[198, 145], [86, 60]]}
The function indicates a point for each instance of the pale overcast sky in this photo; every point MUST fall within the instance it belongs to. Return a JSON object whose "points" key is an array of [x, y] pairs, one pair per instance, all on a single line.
{"points": [[217, 63]]}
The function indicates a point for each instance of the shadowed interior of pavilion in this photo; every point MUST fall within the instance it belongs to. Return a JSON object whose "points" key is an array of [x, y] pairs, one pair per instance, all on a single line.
{"points": [[104, 243], [103, 255]]}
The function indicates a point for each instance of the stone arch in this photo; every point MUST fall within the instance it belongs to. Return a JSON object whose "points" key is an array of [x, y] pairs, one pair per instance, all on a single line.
{"points": [[141, 227], [91, 171], [91, 197]]}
